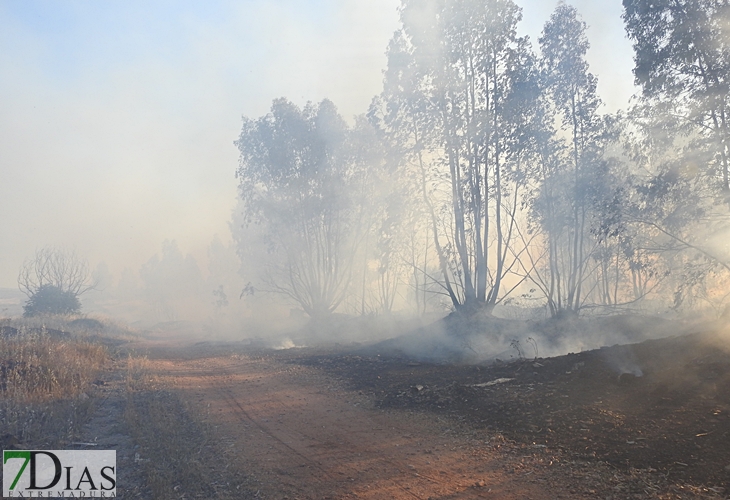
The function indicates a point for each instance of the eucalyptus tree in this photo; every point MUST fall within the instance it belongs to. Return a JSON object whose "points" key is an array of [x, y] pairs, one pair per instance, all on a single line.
{"points": [[682, 63], [579, 205], [456, 104], [301, 176], [403, 115], [679, 228]]}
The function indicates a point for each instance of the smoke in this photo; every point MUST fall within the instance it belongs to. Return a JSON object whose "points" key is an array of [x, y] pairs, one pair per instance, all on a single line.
{"points": [[480, 339], [623, 360], [118, 132], [116, 135]]}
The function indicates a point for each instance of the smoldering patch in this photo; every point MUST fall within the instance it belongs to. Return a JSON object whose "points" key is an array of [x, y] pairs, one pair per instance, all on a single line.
{"points": [[286, 343], [623, 362]]}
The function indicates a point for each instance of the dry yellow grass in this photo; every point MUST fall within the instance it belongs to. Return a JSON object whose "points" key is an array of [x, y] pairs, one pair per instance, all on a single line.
{"points": [[138, 374], [39, 368], [45, 383]]}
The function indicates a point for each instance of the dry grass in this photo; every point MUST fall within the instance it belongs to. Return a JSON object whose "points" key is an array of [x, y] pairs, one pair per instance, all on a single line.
{"points": [[37, 367], [78, 326], [138, 376], [45, 382]]}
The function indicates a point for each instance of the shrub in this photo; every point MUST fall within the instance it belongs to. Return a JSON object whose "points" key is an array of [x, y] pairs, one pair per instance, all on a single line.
{"points": [[53, 280], [50, 299]]}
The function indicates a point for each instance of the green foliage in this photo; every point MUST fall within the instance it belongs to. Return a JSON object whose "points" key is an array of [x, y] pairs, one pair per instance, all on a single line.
{"points": [[50, 299], [307, 180], [460, 101], [682, 141], [578, 206], [682, 54]]}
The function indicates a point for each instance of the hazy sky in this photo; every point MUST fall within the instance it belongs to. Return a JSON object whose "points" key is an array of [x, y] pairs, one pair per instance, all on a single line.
{"points": [[117, 118]]}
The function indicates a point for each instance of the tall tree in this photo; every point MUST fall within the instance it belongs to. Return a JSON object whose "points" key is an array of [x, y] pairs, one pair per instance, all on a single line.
{"points": [[456, 71], [578, 199], [682, 56], [297, 172], [674, 214], [682, 63]]}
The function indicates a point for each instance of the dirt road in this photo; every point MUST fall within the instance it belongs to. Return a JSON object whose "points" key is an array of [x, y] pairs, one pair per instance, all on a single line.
{"points": [[299, 433], [215, 420]]}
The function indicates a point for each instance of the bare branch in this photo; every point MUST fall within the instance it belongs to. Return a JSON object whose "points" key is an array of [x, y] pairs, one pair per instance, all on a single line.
{"points": [[51, 266]]}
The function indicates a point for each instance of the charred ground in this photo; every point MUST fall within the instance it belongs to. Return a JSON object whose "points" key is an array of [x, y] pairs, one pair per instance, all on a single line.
{"points": [[674, 419]]}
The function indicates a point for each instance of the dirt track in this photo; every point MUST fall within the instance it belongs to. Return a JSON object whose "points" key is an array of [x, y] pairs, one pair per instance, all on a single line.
{"points": [[227, 421], [302, 435]]}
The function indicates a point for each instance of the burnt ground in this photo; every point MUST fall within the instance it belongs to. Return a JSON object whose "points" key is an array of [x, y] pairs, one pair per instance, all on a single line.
{"points": [[673, 420], [231, 420]]}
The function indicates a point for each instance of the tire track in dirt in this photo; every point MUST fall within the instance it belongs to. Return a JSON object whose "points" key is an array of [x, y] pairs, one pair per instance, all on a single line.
{"points": [[324, 477], [244, 416], [301, 434]]}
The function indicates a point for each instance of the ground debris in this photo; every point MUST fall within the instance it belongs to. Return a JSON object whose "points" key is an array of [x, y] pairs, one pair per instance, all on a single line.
{"points": [[493, 382]]}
